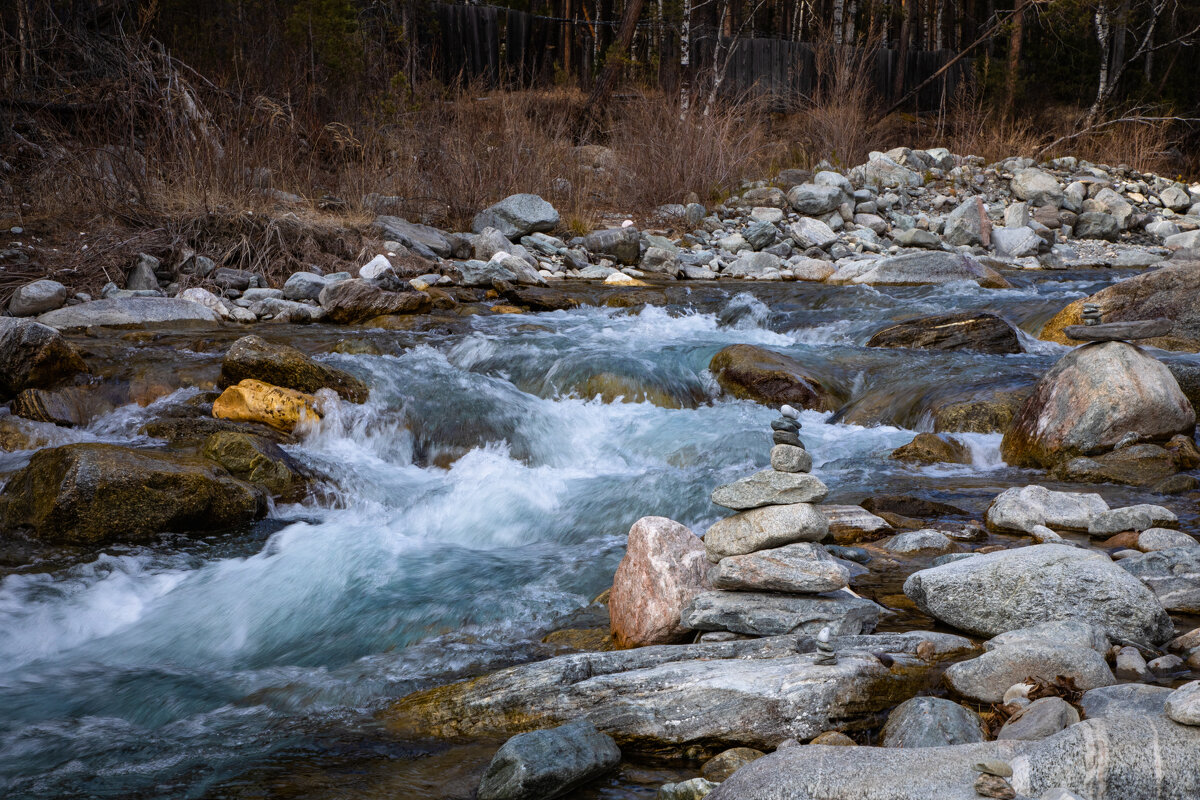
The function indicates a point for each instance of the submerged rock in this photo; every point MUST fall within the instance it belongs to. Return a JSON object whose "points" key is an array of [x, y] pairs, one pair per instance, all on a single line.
{"points": [[960, 330], [34, 356], [929, 448], [1002, 591], [1090, 400], [281, 365], [101, 493], [754, 373], [663, 570], [1139, 465], [540, 765]]}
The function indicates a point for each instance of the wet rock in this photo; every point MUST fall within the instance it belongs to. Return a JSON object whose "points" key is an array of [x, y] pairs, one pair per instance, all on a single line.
{"points": [[1172, 291], [931, 722], [850, 524], [71, 406], [762, 614], [1090, 400], [909, 506], [1124, 699], [517, 215], [130, 312], [935, 267], [1022, 509], [754, 373], [801, 568], [961, 330], [1173, 575], [831, 739], [623, 245], [258, 402], [34, 356], [1130, 666], [37, 297], [662, 572], [1183, 705], [693, 789], [356, 300], [721, 766], [987, 411], [1010, 589], [549, 763], [989, 676], [751, 693], [929, 448], [101, 493], [260, 461], [1041, 718], [1130, 758], [1140, 465], [922, 541], [764, 528], [770, 488], [282, 365], [188, 430]]}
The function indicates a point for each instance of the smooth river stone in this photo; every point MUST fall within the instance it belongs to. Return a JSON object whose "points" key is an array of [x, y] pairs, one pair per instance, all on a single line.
{"points": [[770, 488], [762, 614], [1119, 331], [789, 458], [988, 677], [802, 568], [764, 528]]}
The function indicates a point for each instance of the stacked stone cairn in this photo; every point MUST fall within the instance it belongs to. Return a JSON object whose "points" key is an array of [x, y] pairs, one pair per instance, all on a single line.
{"points": [[771, 575]]}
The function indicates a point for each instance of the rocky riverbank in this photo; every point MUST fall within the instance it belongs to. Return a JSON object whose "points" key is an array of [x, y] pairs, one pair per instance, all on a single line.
{"points": [[963, 524]]}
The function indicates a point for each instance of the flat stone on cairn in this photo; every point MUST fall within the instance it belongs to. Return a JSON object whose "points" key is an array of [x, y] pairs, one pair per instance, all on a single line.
{"points": [[772, 575]]}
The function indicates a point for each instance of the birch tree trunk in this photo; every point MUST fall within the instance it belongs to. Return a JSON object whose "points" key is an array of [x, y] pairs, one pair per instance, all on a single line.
{"points": [[685, 59]]}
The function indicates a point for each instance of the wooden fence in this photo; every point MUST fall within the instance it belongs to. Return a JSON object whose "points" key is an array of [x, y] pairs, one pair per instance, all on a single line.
{"points": [[498, 46]]}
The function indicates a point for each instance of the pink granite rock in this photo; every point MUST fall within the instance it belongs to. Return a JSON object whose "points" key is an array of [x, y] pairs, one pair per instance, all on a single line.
{"points": [[664, 568]]}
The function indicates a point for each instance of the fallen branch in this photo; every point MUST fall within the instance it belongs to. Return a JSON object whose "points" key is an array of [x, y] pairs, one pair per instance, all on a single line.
{"points": [[1092, 128]]}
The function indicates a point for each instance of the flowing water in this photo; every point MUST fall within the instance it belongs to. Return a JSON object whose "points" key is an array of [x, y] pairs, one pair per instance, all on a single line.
{"points": [[478, 500]]}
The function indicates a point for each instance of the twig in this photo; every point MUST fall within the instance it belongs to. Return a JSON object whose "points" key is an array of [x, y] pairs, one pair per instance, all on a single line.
{"points": [[1140, 120]]}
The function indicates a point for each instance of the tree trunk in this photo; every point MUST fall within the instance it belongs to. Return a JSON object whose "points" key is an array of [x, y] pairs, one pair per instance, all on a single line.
{"points": [[902, 49], [685, 58], [602, 92], [1016, 35]]}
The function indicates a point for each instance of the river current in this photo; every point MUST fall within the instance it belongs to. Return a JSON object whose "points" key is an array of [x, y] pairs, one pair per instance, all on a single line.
{"points": [[477, 501]]}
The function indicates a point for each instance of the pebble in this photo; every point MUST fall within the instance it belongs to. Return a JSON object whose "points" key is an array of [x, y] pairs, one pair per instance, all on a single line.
{"points": [[994, 786], [789, 412]]}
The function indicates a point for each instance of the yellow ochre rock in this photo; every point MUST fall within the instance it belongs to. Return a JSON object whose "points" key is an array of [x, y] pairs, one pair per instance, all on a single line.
{"points": [[255, 401]]}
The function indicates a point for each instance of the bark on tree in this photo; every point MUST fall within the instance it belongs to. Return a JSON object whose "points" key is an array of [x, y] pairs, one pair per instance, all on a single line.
{"points": [[1016, 36], [597, 102]]}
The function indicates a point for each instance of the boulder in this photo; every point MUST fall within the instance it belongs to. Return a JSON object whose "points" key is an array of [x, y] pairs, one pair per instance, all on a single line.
{"points": [[1065, 632], [274, 406], [1010, 589], [762, 614], [929, 448], [282, 365], [697, 698], [809, 232], [517, 215], [1130, 518], [90, 494], [1139, 465], [1018, 242], [37, 297], [1164, 539], [764, 528], [662, 572], [70, 406], [288, 311], [884, 172], [764, 376], [1121, 758], [770, 488], [141, 275], [1097, 225], [931, 722], [986, 679], [692, 789], [540, 765], [304, 286], [850, 524], [968, 224], [258, 460], [501, 267], [1043, 717], [1183, 705], [1124, 699], [1172, 574], [959, 330], [801, 568], [422, 239], [1038, 187], [1172, 292], [722, 765], [1022, 509], [932, 267], [623, 245], [811, 199], [34, 356], [130, 312], [1090, 399], [356, 300], [922, 541], [754, 265]]}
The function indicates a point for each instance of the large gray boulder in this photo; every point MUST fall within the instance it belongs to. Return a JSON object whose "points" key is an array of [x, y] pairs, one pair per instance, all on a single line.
{"points": [[987, 678], [811, 199], [426, 241], [549, 763], [129, 312], [1124, 699], [1024, 508], [1172, 574], [1120, 758], [764, 528], [1002, 591], [915, 269], [884, 172], [37, 297], [34, 356], [669, 698], [1090, 399], [968, 224], [502, 267], [931, 722], [771, 614], [1038, 187], [517, 215]]}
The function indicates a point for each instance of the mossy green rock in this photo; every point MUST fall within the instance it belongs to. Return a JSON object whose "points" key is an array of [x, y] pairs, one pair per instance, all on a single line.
{"points": [[101, 493], [282, 365], [259, 461]]}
